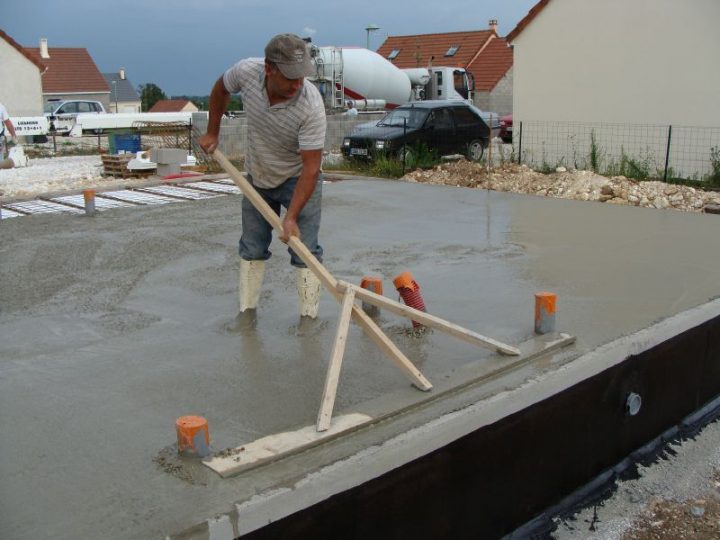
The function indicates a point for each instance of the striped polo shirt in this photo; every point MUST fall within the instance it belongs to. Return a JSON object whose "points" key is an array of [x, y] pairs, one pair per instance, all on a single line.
{"points": [[275, 135]]}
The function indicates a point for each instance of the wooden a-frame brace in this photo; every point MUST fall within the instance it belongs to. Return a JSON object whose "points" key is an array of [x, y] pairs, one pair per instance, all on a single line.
{"points": [[346, 294]]}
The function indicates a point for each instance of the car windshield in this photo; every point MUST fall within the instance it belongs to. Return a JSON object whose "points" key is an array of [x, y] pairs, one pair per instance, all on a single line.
{"points": [[412, 118], [51, 106]]}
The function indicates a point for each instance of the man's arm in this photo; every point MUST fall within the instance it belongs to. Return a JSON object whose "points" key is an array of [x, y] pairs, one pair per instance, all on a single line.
{"points": [[219, 99], [312, 160], [10, 128]]}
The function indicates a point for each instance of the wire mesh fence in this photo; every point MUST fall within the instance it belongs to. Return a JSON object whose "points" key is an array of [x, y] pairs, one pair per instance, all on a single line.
{"points": [[150, 135], [668, 152]]}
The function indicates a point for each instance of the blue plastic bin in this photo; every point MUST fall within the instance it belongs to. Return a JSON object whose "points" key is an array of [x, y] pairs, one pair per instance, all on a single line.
{"points": [[127, 142]]}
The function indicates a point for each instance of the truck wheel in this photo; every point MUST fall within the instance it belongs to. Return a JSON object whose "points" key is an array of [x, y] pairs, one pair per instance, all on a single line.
{"points": [[475, 150]]}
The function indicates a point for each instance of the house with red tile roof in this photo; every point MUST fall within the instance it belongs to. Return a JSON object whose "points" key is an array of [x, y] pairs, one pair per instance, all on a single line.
{"points": [[71, 74], [20, 79], [485, 55], [174, 105]]}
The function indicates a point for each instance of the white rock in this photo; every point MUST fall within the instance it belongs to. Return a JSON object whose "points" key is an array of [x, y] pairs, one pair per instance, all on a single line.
{"points": [[661, 202]]}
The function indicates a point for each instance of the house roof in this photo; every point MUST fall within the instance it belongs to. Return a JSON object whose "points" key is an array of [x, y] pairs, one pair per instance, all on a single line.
{"points": [[22, 51], [491, 64], [170, 105], [125, 90], [417, 50], [527, 19], [69, 70], [481, 52]]}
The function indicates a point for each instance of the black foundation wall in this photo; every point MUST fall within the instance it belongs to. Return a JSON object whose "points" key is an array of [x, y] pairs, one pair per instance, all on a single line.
{"points": [[493, 480]]}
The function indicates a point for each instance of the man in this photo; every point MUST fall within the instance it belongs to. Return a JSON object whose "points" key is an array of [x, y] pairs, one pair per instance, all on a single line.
{"points": [[6, 127], [286, 135]]}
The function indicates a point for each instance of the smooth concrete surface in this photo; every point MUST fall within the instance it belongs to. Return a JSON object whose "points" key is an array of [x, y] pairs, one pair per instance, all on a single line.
{"points": [[113, 326]]}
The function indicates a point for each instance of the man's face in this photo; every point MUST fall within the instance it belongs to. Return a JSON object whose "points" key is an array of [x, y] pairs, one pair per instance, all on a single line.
{"points": [[278, 86]]}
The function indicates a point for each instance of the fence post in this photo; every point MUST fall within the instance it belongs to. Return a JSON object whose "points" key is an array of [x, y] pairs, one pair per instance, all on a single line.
{"points": [[404, 150], [190, 132], [667, 154], [520, 145]]}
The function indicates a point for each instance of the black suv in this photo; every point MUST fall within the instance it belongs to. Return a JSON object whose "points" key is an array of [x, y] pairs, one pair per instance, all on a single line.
{"points": [[444, 127]]}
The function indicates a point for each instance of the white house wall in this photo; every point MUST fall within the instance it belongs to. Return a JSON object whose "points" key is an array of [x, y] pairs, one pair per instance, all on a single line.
{"points": [[598, 83], [630, 61], [20, 83]]}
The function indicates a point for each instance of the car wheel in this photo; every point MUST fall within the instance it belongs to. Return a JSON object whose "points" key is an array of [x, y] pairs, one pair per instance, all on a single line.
{"points": [[407, 155], [475, 150]]}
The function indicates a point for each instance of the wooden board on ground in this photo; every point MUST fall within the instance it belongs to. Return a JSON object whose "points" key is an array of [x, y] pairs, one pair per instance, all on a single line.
{"points": [[234, 460]]}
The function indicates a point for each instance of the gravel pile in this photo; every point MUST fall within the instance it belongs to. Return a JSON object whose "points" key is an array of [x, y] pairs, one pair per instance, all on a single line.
{"points": [[45, 175], [579, 185]]}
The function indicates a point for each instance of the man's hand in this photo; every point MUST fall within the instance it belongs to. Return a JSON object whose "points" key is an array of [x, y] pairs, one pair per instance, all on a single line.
{"points": [[290, 228], [208, 142]]}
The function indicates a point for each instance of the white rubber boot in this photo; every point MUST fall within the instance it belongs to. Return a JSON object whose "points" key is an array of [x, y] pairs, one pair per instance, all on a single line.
{"points": [[308, 287], [251, 278]]}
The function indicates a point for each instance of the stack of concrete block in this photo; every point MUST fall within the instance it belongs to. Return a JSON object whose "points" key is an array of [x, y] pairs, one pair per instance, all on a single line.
{"points": [[168, 160]]}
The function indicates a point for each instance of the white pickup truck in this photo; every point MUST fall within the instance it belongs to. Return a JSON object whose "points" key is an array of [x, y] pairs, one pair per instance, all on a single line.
{"points": [[62, 114]]}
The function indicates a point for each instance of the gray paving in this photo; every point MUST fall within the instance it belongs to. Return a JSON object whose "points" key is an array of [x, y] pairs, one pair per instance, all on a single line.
{"points": [[113, 326]]}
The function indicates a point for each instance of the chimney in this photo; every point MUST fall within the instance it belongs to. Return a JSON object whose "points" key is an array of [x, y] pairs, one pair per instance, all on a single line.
{"points": [[44, 49], [492, 23], [122, 74]]}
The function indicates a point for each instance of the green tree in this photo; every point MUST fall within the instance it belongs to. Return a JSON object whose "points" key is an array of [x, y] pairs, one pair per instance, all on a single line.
{"points": [[235, 104], [150, 94]]}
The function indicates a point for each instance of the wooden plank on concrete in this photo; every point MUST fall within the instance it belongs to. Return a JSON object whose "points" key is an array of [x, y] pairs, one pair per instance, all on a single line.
{"points": [[232, 461]]}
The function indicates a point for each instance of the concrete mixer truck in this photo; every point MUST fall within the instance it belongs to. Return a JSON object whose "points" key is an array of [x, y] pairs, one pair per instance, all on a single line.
{"points": [[371, 81]]}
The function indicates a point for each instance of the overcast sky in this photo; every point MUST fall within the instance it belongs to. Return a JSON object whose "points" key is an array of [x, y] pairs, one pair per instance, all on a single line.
{"points": [[184, 45]]}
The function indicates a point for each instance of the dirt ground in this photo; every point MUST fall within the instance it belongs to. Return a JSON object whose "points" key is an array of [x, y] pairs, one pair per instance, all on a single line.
{"points": [[569, 184], [697, 519]]}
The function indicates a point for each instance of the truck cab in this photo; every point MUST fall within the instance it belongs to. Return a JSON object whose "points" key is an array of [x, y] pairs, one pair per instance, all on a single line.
{"points": [[449, 83]]}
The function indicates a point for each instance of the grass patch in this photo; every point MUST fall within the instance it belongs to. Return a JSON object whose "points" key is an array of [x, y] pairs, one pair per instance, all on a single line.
{"points": [[713, 179], [385, 165]]}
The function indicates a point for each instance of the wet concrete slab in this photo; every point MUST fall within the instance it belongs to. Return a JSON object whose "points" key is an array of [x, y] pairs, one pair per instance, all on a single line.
{"points": [[114, 326]]}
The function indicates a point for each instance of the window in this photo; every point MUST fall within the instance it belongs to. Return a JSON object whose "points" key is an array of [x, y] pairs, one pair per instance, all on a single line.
{"points": [[440, 119], [85, 107], [411, 118], [452, 50], [393, 54], [68, 108], [465, 117]]}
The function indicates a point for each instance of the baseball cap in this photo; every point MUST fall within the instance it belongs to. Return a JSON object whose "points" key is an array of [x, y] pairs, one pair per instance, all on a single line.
{"points": [[291, 55]]}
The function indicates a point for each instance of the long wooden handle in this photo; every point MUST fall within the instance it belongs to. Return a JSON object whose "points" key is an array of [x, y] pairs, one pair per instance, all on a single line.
{"points": [[326, 278]]}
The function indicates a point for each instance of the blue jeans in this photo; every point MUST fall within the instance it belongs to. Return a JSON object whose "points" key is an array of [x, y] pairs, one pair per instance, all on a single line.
{"points": [[257, 232]]}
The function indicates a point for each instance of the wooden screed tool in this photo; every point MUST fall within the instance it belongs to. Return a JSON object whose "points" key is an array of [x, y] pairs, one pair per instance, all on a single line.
{"points": [[346, 294]]}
